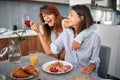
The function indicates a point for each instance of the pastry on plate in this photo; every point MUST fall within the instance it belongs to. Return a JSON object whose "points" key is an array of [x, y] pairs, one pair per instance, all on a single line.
{"points": [[31, 70], [19, 73]]}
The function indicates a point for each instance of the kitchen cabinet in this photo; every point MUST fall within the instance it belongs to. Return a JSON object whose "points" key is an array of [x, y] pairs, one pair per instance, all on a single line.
{"points": [[31, 43], [74, 2], [3, 43], [53, 1]]}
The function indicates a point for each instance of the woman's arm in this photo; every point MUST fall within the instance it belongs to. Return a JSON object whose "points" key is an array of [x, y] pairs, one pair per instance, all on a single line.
{"points": [[85, 33], [46, 46], [61, 56], [80, 37], [94, 60], [57, 46]]}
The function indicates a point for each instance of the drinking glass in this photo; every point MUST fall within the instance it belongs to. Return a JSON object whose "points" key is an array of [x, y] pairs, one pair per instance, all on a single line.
{"points": [[26, 20], [34, 58], [81, 76]]}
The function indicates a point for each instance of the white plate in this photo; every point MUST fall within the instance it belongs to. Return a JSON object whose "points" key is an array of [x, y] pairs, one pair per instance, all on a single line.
{"points": [[2, 30], [21, 78], [44, 66], [31, 76]]}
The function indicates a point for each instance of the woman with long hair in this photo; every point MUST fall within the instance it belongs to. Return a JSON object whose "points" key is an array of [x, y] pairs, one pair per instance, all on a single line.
{"points": [[53, 24], [87, 56]]}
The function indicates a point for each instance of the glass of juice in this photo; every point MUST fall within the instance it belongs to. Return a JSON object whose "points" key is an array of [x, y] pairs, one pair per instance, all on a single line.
{"points": [[34, 58], [81, 76]]}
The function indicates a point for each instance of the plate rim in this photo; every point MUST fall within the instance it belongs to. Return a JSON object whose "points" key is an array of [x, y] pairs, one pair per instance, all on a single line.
{"points": [[31, 76], [43, 66]]}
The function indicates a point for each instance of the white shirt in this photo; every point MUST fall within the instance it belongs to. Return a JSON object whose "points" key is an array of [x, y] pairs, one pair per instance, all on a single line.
{"points": [[87, 54], [53, 34]]}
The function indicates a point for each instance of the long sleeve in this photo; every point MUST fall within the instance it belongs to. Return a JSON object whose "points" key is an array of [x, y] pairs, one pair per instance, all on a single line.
{"points": [[57, 45], [95, 53], [85, 33], [87, 54]]}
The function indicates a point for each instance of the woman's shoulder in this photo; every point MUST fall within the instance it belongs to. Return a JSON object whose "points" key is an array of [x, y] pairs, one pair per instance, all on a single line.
{"points": [[95, 35], [67, 31]]}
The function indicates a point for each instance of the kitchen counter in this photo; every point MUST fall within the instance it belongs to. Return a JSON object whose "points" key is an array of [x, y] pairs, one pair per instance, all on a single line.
{"points": [[9, 34], [30, 43]]}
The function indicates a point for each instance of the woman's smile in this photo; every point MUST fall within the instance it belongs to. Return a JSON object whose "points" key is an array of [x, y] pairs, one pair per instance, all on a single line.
{"points": [[50, 19]]}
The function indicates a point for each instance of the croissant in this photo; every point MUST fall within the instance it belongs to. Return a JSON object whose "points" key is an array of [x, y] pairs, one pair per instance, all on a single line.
{"points": [[19, 73], [31, 70]]}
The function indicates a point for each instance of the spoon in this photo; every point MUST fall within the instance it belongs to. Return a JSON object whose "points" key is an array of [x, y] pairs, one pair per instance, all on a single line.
{"points": [[3, 51]]}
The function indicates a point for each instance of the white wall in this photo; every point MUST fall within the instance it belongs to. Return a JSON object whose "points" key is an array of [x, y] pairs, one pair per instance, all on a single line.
{"points": [[110, 36], [11, 12], [73, 2]]}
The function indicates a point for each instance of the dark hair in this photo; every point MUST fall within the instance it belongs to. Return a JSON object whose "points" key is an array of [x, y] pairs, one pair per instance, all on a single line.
{"points": [[83, 10], [50, 8]]}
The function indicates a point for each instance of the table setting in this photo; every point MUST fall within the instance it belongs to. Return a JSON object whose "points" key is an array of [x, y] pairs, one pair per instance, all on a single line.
{"points": [[47, 68]]}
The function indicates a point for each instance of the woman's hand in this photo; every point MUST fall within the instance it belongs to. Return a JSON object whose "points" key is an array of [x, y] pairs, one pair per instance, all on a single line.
{"points": [[35, 27], [88, 69], [75, 45]]}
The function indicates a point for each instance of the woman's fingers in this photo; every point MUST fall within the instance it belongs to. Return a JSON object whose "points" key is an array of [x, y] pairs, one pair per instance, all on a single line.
{"points": [[86, 69], [31, 23], [82, 69], [35, 27], [75, 45]]}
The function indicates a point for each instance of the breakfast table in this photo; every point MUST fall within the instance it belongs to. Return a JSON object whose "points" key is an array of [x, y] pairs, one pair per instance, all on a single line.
{"points": [[6, 68]]}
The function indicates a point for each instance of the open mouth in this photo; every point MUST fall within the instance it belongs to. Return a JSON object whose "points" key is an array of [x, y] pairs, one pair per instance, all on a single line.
{"points": [[48, 21]]}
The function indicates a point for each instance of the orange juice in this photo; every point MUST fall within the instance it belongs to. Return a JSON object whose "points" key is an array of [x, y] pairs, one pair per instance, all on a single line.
{"points": [[77, 78], [34, 60]]}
